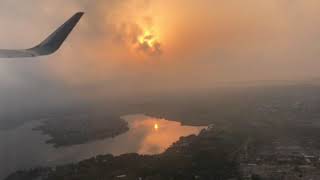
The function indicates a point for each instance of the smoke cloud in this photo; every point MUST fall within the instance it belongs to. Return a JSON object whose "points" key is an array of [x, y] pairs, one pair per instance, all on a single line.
{"points": [[196, 44]]}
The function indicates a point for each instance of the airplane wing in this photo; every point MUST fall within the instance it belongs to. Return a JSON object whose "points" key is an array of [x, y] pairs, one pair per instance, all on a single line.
{"points": [[50, 45]]}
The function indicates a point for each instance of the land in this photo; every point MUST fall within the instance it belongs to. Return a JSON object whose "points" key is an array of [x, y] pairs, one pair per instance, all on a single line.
{"points": [[229, 153], [78, 129], [260, 132], [280, 159]]}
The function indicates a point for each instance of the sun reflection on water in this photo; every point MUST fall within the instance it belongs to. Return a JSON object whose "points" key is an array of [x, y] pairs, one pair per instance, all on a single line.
{"points": [[156, 135], [156, 127]]}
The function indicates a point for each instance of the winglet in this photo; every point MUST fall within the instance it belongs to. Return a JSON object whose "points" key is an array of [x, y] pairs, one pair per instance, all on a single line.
{"points": [[52, 43], [49, 45]]}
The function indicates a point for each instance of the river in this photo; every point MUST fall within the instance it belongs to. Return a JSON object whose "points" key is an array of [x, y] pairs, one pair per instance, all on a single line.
{"points": [[23, 148]]}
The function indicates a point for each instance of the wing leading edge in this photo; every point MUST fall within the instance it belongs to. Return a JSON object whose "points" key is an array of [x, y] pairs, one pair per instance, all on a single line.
{"points": [[50, 45]]}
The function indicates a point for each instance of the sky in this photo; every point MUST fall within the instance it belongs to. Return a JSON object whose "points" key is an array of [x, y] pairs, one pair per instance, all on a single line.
{"points": [[129, 47]]}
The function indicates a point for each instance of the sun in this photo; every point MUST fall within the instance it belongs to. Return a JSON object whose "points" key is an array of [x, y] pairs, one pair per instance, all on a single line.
{"points": [[148, 38], [149, 42]]}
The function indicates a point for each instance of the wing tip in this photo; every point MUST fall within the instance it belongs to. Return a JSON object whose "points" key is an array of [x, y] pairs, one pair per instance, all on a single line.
{"points": [[79, 14]]}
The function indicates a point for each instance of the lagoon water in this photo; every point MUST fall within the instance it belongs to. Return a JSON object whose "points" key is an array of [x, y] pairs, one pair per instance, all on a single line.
{"points": [[23, 148]]}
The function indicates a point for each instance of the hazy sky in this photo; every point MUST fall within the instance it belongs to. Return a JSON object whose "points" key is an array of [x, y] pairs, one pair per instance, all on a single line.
{"points": [[128, 46]]}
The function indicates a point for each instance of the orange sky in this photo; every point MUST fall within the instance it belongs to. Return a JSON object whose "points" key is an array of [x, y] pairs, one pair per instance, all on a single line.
{"points": [[200, 42]]}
